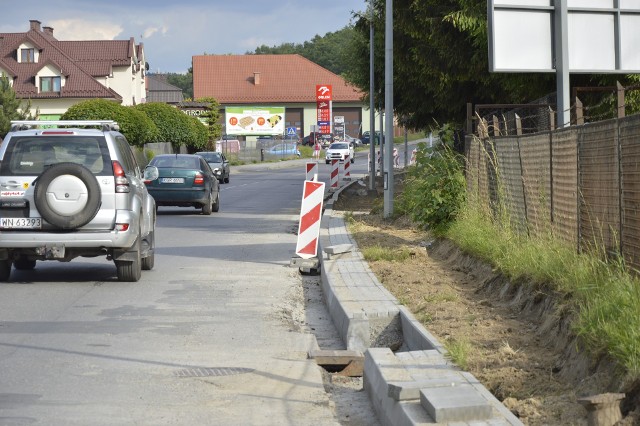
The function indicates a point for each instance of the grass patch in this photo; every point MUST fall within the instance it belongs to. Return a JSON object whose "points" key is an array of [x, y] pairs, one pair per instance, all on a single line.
{"points": [[378, 252], [458, 351], [603, 295]]}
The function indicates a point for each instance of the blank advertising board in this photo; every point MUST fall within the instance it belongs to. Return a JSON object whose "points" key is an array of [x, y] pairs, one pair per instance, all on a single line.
{"points": [[603, 35]]}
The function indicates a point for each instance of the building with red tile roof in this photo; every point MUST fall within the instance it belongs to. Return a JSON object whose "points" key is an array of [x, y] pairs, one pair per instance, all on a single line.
{"points": [[55, 75], [278, 80]]}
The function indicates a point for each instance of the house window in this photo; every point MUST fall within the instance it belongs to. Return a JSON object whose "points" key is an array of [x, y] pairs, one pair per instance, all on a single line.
{"points": [[27, 55], [49, 84]]}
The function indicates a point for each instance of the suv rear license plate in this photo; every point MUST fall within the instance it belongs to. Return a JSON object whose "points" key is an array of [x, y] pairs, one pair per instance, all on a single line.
{"points": [[172, 180], [20, 223]]}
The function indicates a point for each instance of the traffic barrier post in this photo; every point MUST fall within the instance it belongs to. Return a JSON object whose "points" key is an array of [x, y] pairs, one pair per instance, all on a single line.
{"points": [[310, 215], [347, 172], [312, 171], [335, 175]]}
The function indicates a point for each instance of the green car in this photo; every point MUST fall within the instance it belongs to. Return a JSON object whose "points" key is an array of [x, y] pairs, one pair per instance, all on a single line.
{"points": [[183, 180]]}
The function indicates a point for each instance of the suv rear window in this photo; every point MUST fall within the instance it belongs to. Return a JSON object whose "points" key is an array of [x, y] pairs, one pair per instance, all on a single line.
{"points": [[29, 155]]}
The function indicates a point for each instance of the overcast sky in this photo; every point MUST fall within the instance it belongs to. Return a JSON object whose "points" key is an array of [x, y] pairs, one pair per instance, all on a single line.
{"points": [[174, 31]]}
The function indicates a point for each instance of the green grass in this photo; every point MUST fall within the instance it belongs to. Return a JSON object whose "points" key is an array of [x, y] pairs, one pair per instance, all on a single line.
{"points": [[378, 252], [603, 296], [458, 351]]}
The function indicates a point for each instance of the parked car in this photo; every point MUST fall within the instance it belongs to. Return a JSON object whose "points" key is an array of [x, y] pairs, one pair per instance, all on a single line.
{"points": [[292, 139], [366, 137], [355, 141], [217, 161], [183, 180], [340, 151], [283, 150], [310, 139], [73, 192]]}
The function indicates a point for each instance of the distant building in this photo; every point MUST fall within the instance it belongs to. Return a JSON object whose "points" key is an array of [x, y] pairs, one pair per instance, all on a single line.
{"points": [[160, 90], [278, 80], [56, 74]]}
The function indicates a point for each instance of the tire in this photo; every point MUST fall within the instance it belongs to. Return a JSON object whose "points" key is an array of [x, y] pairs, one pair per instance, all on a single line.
{"points": [[5, 270], [216, 204], [24, 264], [207, 207], [353, 160], [226, 180], [130, 270], [55, 183]]}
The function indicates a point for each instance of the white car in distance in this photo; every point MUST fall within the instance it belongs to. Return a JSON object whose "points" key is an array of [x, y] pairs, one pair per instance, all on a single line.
{"points": [[340, 151]]}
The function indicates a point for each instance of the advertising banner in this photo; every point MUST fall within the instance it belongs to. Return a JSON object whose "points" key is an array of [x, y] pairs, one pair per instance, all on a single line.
{"points": [[258, 120]]}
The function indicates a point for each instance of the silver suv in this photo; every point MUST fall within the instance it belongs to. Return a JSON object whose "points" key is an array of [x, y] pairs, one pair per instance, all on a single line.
{"points": [[70, 189]]}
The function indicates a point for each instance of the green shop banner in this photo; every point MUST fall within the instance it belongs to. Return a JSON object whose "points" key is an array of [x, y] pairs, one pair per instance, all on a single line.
{"points": [[258, 120]]}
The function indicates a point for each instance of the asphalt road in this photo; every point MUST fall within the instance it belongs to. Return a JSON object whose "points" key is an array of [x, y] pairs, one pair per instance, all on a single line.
{"points": [[205, 338]]}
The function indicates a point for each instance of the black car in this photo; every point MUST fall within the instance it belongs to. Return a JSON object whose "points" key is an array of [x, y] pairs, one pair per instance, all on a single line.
{"points": [[217, 160]]}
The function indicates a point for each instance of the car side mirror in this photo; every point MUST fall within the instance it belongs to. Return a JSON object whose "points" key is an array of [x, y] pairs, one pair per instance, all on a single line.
{"points": [[151, 173]]}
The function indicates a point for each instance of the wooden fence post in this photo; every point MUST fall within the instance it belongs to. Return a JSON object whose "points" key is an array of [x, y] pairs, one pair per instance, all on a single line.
{"points": [[496, 126], [518, 125], [621, 107], [579, 112]]}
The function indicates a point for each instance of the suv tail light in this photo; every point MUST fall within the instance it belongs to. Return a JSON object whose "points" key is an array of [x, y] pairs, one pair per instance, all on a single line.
{"points": [[121, 181], [198, 179]]}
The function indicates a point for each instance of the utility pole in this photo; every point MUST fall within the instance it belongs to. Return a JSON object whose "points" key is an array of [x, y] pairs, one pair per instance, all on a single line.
{"points": [[388, 107], [372, 110]]}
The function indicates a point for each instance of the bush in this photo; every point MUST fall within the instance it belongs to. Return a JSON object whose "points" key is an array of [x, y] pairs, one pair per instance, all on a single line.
{"points": [[173, 125], [435, 190], [134, 125]]}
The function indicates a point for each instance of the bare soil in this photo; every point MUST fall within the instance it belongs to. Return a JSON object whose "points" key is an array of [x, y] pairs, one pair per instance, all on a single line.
{"points": [[518, 335]]}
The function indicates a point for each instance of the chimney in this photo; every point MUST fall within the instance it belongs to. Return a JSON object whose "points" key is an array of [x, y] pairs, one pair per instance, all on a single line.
{"points": [[256, 78], [34, 24], [48, 31]]}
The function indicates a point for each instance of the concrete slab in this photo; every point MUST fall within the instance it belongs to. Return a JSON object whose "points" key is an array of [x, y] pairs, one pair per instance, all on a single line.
{"points": [[455, 404]]}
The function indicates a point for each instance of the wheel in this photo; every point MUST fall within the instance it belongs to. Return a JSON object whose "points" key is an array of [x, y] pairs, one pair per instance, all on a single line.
{"points": [[327, 161], [130, 270], [24, 264], [216, 204], [5, 270], [353, 160], [207, 207], [226, 180], [67, 195]]}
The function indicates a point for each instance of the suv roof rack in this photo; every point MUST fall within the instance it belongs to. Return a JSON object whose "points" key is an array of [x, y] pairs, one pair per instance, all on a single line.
{"points": [[30, 124]]}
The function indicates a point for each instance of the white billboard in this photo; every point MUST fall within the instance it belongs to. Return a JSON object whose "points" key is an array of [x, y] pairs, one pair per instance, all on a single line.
{"points": [[254, 120], [603, 35]]}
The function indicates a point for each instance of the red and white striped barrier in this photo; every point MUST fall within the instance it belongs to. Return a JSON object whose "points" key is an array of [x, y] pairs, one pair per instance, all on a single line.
{"points": [[312, 171], [335, 174], [310, 215], [347, 163]]}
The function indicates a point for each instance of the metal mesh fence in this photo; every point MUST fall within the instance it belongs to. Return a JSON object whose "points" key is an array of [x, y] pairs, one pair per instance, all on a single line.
{"points": [[580, 183]]}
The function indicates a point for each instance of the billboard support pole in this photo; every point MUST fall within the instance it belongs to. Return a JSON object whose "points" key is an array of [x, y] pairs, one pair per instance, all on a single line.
{"points": [[562, 64]]}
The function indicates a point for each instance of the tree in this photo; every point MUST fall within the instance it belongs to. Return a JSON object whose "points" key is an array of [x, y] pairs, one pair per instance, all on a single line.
{"points": [[441, 62], [12, 108], [136, 126], [212, 117], [330, 51], [183, 81]]}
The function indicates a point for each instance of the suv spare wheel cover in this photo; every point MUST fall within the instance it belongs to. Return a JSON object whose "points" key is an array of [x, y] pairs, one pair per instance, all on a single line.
{"points": [[67, 195]]}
